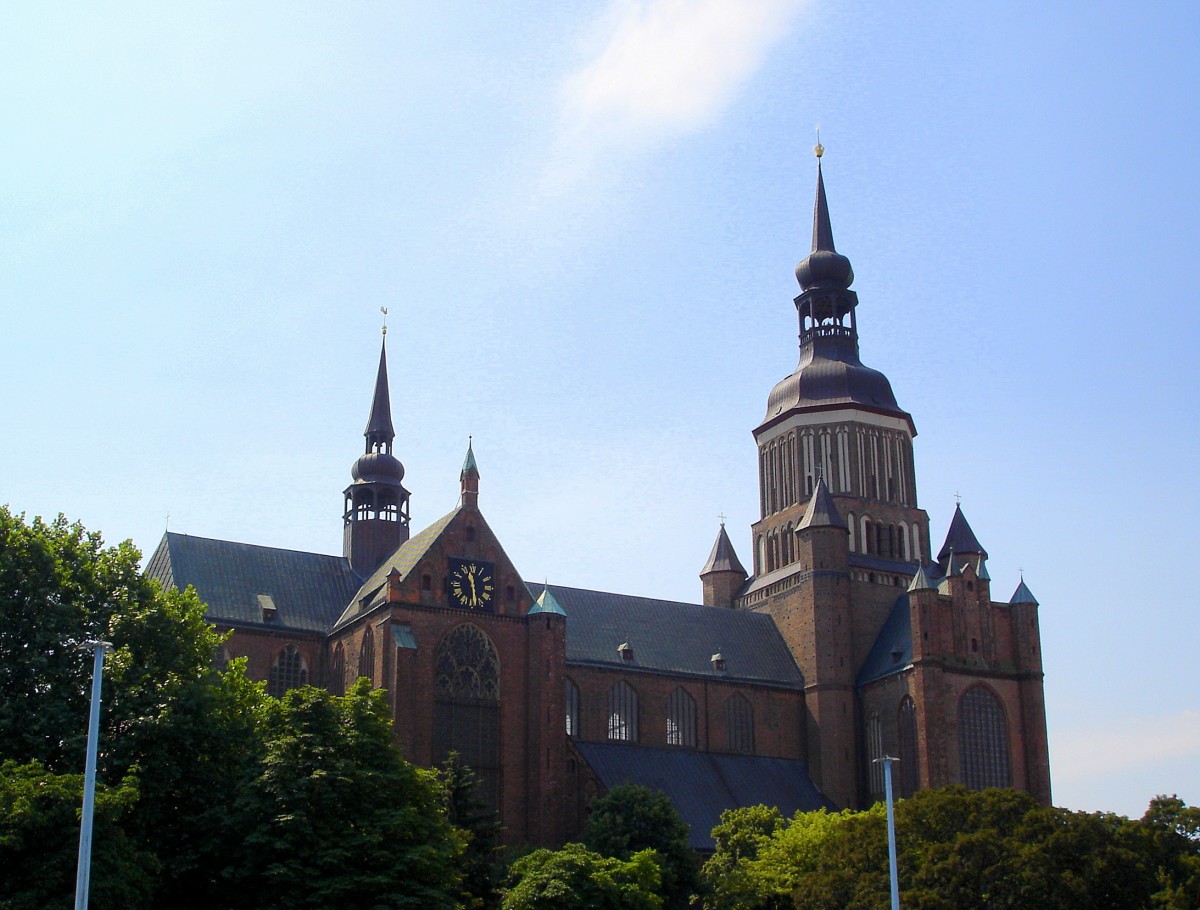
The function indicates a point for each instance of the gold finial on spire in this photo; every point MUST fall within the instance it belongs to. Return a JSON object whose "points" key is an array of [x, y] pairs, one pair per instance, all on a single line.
{"points": [[383, 310], [818, 149]]}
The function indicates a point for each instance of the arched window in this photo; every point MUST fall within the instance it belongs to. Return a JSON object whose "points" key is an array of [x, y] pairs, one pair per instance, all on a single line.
{"points": [[287, 672], [851, 524], [982, 739], [571, 700], [466, 716], [366, 655], [916, 549], [623, 713], [739, 724], [904, 548], [910, 761], [874, 753], [681, 719], [867, 542], [337, 671]]}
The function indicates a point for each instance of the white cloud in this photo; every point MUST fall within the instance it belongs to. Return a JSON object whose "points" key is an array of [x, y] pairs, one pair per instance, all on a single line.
{"points": [[1120, 746], [661, 68]]}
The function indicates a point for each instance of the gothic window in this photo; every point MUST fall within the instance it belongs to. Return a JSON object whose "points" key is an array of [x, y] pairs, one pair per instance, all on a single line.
{"points": [[904, 549], [910, 762], [916, 546], [467, 705], [287, 672], [571, 699], [366, 655], [850, 523], [982, 739], [739, 724], [867, 541], [874, 753], [623, 713], [681, 719], [337, 670]]}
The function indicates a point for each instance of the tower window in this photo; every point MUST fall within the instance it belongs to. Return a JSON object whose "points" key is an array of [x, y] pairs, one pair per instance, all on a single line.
{"points": [[571, 698], [982, 740], [426, 583]]}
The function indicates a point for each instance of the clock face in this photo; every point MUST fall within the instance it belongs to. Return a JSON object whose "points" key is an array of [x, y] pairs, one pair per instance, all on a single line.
{"points": [[472, 583]]}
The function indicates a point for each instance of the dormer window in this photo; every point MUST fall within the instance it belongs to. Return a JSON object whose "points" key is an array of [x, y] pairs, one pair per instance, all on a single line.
{"points": [[718, 662], [267, 606], [625, 650]]}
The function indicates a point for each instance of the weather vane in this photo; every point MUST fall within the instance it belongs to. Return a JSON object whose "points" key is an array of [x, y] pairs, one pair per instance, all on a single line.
{"points": [[819, 149], [383, 310]]}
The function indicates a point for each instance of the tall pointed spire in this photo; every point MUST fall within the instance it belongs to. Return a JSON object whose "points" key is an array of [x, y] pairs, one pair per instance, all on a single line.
{"points": [[824, 267], [960, 538], [468, 478], [822, 229], [379, 431]]}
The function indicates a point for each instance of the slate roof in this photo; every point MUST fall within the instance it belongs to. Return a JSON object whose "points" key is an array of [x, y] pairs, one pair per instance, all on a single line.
{"points": [[821, 512], [960, 538], [308, 590], [723, 558], [704, 784], [892, 651], [672, 637]]}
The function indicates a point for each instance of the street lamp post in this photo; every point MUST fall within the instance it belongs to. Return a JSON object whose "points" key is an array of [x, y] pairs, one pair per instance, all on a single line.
{"points": [[887, 761], [83, 876]]}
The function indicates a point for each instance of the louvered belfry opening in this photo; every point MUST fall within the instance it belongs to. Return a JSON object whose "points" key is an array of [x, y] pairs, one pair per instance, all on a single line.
{"points": [[467, 705]]}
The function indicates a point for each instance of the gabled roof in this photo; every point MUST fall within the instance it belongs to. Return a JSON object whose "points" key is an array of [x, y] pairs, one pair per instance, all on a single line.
{"points": [[892, 650], [308, 590], [723, 558], [702, 785], [373, 591], [671, 637]]}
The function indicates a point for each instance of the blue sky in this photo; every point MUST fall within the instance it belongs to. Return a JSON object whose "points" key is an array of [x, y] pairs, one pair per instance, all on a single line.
{"points": [[583, 219]]}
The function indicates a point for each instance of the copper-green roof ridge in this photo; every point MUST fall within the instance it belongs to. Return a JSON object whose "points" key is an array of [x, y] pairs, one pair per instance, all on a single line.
{"points": [[723, 558], [960, 538], [379, 424], [821, 512]]}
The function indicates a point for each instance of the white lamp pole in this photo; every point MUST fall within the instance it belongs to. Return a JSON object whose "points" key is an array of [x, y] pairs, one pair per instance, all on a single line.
{"points": [[887, 761], [83, 876]]}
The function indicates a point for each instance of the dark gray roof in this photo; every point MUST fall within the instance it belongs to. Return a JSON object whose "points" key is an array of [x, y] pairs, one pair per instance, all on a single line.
{"points": [[821, 512], [704, 784], [1023, 595], [960, 538], [672, 637], [892, 651], [309, 590], [723, 558]]}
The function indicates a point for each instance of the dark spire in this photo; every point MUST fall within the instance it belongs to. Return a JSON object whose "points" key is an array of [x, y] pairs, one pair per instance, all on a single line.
{"points": [[723, 558], [1023, 595], [824, 267], [821, 512], [379, 431], [960, 538]]}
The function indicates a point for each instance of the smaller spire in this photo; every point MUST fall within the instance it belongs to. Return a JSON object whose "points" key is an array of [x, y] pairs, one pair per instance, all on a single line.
{"points": [[960, 538], [981, 569], [469, 468], [821, 511], [547, 603], [1023, 595], [921, 581], [723, 558]]}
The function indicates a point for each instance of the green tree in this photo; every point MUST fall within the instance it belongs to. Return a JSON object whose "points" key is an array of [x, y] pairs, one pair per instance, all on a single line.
{"points": [[336, 818], [186, 730], [630, 818], [39, 842], [575, 878], [481, 862], [739, 837]]}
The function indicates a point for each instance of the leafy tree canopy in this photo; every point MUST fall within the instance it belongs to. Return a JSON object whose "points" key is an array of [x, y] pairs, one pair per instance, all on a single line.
{"points": [[631, 818], [575, 878]]}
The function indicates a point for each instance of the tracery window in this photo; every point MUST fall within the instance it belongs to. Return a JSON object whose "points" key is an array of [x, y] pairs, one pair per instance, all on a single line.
{"points": [[366, 655], [681, 719], [910, 761], [982, 740], [739, 724], [571, 700], [467, 705], [287, 672], [337, 670], [623, 712]]}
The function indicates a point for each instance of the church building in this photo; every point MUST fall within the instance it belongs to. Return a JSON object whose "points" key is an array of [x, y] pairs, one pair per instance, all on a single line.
{"points": [[848, 640]]}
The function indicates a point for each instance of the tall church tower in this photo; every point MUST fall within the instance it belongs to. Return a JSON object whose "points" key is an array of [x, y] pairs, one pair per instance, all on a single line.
{"points": [[375, 519], [839, 534]]}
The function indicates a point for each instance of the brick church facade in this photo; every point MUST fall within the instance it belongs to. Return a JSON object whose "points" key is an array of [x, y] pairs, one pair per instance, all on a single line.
{"points": [[849, 639]]}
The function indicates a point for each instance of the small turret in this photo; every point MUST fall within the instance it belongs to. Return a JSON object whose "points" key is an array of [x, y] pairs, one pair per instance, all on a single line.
{"points": [[723, 576], [468, 479]]}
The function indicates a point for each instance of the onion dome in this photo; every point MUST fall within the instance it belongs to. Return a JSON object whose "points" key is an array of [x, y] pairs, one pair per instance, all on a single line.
{"points": [[824, 267], [377, 467]]}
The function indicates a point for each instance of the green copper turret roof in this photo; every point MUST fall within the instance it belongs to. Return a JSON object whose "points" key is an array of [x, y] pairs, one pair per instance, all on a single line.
{"points": [[469, 468], [547, 603]]}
